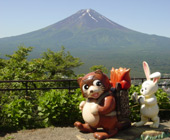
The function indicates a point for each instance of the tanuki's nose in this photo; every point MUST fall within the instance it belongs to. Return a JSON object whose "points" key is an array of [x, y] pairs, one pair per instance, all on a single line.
{"points": [[91, 91]]}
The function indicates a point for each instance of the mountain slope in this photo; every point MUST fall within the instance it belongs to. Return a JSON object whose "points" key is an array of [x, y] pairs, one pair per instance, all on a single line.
{"points": [[97, 41]]}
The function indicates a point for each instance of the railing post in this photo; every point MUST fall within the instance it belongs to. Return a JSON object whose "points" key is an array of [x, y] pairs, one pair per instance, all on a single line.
{"points": [[142, 80], [69, 86]]}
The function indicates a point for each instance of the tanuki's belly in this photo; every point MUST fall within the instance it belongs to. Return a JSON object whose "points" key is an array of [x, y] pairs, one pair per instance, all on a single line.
{"points": [[88, 117]]}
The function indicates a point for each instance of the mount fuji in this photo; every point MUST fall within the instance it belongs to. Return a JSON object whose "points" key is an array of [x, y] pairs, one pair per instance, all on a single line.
{"points": [[97, 40]]}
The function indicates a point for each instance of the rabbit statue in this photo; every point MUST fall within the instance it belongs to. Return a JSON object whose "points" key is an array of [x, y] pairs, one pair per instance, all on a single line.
{"points": [[149, 107]]}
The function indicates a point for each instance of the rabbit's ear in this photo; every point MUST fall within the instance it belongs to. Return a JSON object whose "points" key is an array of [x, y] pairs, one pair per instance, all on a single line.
{"points": [[155, 80], [156, 76], [146, 70]]}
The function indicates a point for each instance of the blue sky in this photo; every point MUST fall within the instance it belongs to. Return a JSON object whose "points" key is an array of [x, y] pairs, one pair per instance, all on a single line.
{"points": [[23, 16]]}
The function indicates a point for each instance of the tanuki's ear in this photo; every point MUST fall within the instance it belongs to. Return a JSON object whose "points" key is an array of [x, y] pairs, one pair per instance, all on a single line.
{"points": [[79, 80], [98, 71]]}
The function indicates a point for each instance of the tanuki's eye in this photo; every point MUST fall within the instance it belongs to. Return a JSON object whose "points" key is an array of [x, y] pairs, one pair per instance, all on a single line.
{"points": [[97, 83], [85, 87]]}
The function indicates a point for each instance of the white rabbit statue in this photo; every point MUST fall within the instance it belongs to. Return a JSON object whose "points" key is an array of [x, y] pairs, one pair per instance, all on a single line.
{"points": [[149, 107]]}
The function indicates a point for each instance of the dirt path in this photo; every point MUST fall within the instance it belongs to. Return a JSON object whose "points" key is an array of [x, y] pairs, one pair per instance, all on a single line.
{"points": [[71, 133]]}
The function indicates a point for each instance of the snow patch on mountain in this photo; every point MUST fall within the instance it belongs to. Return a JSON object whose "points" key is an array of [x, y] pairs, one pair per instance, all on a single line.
{"points": [[88, 12], [82, 15], [108, 20], [92, 17]]}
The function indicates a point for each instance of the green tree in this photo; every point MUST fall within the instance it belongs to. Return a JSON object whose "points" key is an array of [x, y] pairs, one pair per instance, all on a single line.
{"points": [[101, 67], [16, 66], [60, 64], [52, 65]]}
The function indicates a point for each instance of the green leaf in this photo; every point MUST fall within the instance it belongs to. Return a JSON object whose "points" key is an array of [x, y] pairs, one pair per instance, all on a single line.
{"points": [[29, 116], [20, 111], [39, 108], [40, 114], [46, 120]]}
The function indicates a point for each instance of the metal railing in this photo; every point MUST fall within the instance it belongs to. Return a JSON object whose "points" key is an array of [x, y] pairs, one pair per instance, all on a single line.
{"points": [[68, 84], [26, 84]]}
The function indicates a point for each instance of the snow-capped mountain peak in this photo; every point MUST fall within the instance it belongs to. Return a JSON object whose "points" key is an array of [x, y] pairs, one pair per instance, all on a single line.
{"points": [[90, 16], [89, 12], [89, 19]]}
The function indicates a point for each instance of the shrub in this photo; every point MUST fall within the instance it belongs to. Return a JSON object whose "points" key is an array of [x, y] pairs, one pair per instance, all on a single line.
{"points": [[58, 107], [163, 103], [134, 108], [54, 107], [16, 114]]}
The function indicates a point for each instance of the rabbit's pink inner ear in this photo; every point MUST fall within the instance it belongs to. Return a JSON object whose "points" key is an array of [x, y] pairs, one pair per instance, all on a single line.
{"points": [[146, 70], [155, 80]]}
